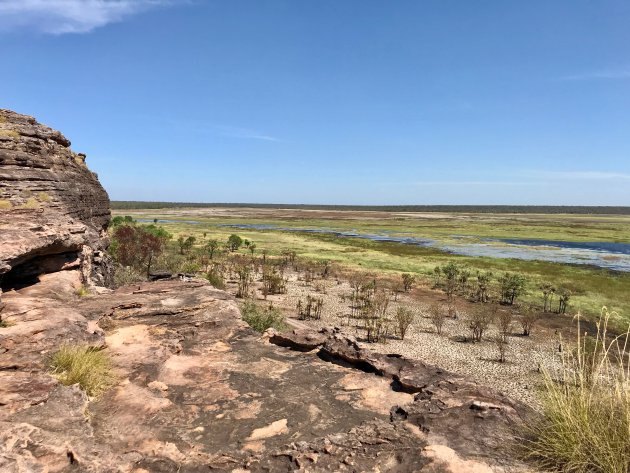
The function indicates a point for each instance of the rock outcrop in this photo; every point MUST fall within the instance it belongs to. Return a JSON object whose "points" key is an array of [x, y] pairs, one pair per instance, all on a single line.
{"points": [[53, 211], [194, 388]]}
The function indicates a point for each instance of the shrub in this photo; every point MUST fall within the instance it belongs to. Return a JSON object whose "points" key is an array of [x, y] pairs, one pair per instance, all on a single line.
{"points": [[124, 275], [261, 318], [512, 286], [479, 320], [528, 320], [586, 421], [504, 320], [502, 347], [404, 318], [408, 280], [87, 366], [234, 242], [312, 309], [215, 278], [437, 314]]}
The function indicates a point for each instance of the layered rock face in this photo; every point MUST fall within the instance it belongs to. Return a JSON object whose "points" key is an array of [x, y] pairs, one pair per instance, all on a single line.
{"points": [[53, 211]]}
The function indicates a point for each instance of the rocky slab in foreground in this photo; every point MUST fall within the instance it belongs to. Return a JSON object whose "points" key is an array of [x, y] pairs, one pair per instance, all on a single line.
{"points": [[197, 390]]}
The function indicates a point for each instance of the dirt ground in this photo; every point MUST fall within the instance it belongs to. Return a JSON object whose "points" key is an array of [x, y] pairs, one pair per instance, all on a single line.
{"points": [[518, 377]]}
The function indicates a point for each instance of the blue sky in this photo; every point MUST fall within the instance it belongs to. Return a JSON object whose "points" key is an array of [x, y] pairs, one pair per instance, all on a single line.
{"points": [[331, 101]]}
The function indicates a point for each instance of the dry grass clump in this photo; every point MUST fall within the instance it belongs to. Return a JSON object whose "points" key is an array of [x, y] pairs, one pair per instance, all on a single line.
{"points": [[87, 366], [586, 423], [5, 204]]}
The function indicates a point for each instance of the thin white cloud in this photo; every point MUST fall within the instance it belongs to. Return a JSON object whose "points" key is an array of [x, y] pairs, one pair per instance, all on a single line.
{"points": [[582, 175], [611, 74], [246, 134], [70, 16]]}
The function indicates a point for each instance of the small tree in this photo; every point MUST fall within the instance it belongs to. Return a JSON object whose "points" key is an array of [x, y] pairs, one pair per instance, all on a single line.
{"points": [[483, 284], [451, 277], [512, 286], [502, 348], [404, 318], [408, 280], [437, 314], [211, 247], [479, 320], [563, 300], [252, 248], [547, 291], [234, 242], [504, 320], [528, 320], [185, 243]]}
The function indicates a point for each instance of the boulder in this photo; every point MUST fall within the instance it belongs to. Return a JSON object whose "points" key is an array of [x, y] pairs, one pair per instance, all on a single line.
{"points": [[53, 211]]}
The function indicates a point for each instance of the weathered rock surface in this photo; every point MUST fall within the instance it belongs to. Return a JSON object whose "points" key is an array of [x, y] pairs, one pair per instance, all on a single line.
{"points": [[53, 211], [195, 388]]}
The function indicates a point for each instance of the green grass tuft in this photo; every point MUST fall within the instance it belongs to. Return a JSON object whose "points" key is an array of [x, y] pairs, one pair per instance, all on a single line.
{"points": [[87, 366], [82, 291], [261, 318]]}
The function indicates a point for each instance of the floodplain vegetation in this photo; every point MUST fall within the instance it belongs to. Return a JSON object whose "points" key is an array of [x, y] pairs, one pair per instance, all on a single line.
{"points": [[585, 397]]}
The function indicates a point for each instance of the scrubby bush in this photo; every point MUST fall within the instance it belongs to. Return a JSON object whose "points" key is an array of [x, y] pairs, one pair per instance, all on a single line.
{"points": [[502, 347], [87, 366], [124, 275], [528, 319], [215, 278], [585, 426], [311, 308], [404, 318], [261, 318], [479, 319], [234, 242], [437, 314], [504, 320], [138, 246], [408, 280], [512, 286]]}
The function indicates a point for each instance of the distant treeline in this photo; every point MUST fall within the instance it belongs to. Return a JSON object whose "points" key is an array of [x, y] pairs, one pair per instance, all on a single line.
{"points": [[541, 209]]}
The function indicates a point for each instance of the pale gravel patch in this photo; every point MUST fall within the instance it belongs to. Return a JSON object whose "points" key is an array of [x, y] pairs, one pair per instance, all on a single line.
{"points": [[518, 378]]}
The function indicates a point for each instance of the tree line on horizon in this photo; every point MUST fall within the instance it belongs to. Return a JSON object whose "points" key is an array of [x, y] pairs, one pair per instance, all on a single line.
{"points": [[542, 209]]}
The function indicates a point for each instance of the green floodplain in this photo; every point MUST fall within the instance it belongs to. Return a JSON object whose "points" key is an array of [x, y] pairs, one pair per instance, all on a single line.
{"points": [[591, 287]]}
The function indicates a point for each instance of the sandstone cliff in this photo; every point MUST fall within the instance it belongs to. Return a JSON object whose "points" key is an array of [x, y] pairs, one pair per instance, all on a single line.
{"points": [[53, 211]]}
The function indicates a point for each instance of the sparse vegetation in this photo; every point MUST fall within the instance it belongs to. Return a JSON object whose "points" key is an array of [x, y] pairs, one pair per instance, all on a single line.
{"points": [[479, 319], [404, 318], [528, 319], [5, 204], [261, 318], [87, 366], [82, 291], [586, 421], [437, 314]]}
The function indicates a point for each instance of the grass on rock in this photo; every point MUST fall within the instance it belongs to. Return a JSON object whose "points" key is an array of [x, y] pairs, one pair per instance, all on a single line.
{"points": [[87, 366], [261, 318]]}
